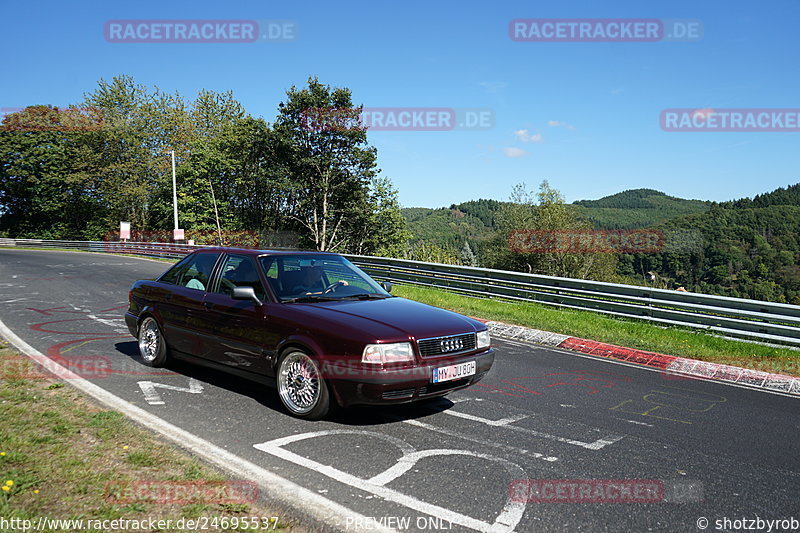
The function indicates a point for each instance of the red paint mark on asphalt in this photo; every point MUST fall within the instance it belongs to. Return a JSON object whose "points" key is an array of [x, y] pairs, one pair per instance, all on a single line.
{"points": [[88, 366], [607, 381], [123, 306], [40, 327]]}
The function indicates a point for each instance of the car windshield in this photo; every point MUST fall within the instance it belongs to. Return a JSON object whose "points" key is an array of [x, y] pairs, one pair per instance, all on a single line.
{"points": [[308, 277]]}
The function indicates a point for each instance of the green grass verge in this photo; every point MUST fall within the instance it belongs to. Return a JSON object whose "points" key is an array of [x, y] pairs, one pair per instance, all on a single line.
{"points": [[677, 341], [63, 457]]}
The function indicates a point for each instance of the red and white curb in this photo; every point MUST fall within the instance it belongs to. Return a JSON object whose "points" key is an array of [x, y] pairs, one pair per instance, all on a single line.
{"points": [[670, 364]]}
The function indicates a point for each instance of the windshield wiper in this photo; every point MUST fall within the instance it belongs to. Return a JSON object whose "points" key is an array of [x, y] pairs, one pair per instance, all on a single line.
{"points": [[310, 298], [365, 296]]}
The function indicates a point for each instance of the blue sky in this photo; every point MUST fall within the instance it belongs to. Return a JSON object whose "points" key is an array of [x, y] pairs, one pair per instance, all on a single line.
{"points": [[590, 110]]}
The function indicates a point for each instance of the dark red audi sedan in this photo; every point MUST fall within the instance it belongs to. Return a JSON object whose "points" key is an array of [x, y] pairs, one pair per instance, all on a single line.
{"points": [[310, 323]]}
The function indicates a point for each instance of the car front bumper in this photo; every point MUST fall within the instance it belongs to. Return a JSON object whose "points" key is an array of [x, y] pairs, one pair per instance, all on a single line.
{"points": [[381, 387]]}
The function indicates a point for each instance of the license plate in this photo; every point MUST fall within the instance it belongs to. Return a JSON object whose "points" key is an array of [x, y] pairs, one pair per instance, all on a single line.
{"points": [[449, 373]]}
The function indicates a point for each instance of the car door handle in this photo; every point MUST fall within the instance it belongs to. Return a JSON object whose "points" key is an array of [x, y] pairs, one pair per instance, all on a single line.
{"points": [[209, 305]]}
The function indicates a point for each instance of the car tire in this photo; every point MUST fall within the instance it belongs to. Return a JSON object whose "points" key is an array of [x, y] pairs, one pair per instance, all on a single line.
{"points": [[301, 386], [152, 346]]}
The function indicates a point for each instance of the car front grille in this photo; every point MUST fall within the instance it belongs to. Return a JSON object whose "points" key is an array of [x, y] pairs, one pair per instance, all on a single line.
{"points": [[398, 394], [453, 344]]}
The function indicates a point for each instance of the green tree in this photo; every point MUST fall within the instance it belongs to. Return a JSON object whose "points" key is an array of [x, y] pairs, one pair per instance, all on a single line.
{"points": [[468, 256], [544, 213], [48, 183], [330, 171], [140, 127]]}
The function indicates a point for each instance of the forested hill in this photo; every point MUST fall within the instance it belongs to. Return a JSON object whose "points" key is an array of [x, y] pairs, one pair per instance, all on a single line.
{"points": [[747, 252], [476, 219], [632, 198], [788, 196], [636, 208], [748, 248]]}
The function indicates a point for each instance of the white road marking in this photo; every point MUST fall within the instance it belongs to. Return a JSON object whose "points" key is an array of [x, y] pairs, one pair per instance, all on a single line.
{"points": [[495, 423], [505, 522], [636, 422], [506, 423], [110, 322], [153, 398], [457, 434]]}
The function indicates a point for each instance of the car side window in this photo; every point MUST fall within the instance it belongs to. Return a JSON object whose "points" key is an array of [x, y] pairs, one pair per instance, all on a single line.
{"points": [[239, 271], [193, 272], [171, 275]]}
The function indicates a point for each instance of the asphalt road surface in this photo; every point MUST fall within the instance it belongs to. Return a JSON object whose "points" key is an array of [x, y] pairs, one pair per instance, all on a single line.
{"points": [[549, 441]]}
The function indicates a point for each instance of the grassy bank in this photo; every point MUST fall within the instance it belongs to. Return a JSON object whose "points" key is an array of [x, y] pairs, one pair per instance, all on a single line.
{"points": [[677, 341], [63, 457]]}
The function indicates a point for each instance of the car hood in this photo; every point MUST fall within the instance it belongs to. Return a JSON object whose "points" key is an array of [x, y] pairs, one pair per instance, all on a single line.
{"points": [[405, 317]]}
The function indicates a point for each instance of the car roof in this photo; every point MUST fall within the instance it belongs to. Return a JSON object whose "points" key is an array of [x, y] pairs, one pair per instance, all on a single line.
{"points": [[258, 252]]}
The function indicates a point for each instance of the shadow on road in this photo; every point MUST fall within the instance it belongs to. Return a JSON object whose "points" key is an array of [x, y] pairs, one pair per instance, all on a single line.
{"points": [[268, 397]]}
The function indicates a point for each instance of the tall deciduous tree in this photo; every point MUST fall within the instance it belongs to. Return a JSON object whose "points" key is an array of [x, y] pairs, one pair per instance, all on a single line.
{"points": [[545, 213], [330, 170], [48, 182]]}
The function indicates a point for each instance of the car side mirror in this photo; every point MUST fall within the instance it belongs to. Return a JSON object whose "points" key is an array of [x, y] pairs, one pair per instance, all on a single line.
{"points": [[387, 286], [246, 293]]}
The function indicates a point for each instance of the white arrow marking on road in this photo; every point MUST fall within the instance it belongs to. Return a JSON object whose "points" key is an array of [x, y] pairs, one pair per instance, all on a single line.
{"points": [[506, 423], [152, 396], [495, 423]]}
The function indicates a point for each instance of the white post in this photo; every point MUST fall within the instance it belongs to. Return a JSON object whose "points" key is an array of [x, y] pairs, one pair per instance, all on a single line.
{"points": [[174, 191]]}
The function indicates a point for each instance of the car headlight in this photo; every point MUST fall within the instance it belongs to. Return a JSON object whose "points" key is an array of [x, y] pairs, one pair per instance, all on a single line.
{"points": [[484, 340], [398, 352]]}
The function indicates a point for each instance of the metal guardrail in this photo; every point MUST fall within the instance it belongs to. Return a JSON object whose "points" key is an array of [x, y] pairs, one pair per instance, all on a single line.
{"points": [[148, 249], [730, 317]]}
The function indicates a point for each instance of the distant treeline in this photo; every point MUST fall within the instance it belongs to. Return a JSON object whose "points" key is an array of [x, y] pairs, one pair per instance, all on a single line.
{"points": [[748, 248]]}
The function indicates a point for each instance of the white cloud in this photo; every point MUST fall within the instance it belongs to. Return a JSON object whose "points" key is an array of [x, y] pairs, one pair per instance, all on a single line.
{"points": [[493, 87], [514, 152], [526, 137], [557, 124]]}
